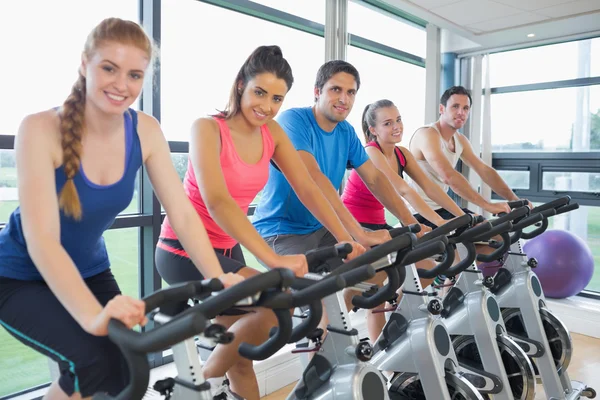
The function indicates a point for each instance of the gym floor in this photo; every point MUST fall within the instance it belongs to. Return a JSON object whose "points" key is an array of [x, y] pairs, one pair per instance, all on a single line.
{"points": [[585, 367]]}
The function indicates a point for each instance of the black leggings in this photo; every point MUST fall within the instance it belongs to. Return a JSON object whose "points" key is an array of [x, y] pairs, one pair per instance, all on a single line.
{"points": [[31, 313]]}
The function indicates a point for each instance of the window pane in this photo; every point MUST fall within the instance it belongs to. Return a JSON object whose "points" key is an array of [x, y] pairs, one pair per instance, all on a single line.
{"points": [[571, 181], [122, 246], [209, 74], [48, 49], [313, 10], [180, 161], [9, 198], [547, 120], [407, 91], [515, 179], [20, 366], [580, 59], [383, 28], [585, 223]]}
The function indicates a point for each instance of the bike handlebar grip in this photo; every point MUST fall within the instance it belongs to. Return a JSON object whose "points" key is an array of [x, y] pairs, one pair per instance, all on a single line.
{"points": [[448, 227], [310, 323], [343, 249], [316, 257], [567, 208], [358, 275], [530, 220], [208, 286], [561, 201], [517, 203], [174, 293], [396, 244], [511, 216], [425, 250], [414, 228], [382, 294], [464, 263], [318, 289], [471, 233], [537, 231], [498, 253], [496, 230], [442, 267], [276, 277], [274, 343]]}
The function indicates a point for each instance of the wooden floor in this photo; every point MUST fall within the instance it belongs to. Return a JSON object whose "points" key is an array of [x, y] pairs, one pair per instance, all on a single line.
{"points": [[585, 367]]}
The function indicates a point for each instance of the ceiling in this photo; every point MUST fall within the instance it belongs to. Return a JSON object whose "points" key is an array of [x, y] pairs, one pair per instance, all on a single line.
{"points": [[473, 25]]}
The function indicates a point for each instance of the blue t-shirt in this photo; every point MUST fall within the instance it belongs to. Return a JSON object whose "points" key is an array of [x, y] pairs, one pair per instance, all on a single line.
{"points": [[280, 212]]}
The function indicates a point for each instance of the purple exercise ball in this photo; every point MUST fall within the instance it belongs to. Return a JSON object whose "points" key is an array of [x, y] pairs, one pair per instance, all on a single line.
{"points": [[565, 262]]}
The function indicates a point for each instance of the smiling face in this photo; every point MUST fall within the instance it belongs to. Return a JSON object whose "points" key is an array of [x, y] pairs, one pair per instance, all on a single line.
{"points": [[262, 98], [388, 126], [335, 100], [456, 111], [114, 75]]}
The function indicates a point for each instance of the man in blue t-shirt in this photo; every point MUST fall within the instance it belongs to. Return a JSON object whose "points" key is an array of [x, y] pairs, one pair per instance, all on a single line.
{"points": [[328, 145]]}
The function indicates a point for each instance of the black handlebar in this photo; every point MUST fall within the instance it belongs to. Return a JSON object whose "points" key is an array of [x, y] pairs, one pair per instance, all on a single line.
{"points": [[517, 203]]}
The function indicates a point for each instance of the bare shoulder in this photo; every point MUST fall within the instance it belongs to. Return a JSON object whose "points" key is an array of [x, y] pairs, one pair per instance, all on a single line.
{"points": [[147, 124], [41, 131], [205, 124]]}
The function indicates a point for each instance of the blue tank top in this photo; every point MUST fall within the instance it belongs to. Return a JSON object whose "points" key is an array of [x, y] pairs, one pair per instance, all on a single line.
{"points": [[81, 239]]}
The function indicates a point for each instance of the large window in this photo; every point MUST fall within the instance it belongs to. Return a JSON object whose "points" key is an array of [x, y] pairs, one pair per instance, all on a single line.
{"points": [[201, 57], [42, 54], [312, 10], [547, 120], [571, 60], [545, 130], [389, 30], [386, 78]]}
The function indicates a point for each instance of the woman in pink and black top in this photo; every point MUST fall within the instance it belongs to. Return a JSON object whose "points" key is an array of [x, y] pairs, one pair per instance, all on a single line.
{"points": [[383, 128], [228, 165]]}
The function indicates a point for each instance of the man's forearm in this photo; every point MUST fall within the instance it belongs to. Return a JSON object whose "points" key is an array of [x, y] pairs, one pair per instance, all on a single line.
{"points": [[495, 181], [461, 186], [349, 222]]}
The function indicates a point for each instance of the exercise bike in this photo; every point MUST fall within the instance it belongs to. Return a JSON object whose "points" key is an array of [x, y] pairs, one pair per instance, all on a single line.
{"points": [[530, 323], [179, 332]]}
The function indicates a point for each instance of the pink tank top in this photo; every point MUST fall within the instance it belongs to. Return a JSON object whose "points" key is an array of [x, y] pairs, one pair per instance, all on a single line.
{"points": [[359, 200], [243, 181]]}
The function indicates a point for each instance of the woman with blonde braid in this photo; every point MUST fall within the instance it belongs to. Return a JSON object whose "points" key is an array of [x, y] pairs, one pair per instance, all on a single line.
{"points": [[76, 167]]}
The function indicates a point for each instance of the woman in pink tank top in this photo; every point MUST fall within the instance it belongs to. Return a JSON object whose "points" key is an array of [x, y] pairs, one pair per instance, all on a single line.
{"points": [[228, 166], [383, 128]]}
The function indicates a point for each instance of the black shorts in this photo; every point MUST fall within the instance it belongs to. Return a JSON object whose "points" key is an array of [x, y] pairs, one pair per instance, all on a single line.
{"points": [[88, 364], [376, 227], [175, 267], [445, 214]]}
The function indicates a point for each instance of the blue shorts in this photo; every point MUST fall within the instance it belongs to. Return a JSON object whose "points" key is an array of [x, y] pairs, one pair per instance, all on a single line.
{"points": [[88, 364]]}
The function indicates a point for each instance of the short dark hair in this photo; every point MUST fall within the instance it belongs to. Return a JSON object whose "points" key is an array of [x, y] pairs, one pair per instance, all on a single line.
{"points": [[330, 68], [263, 59], [455, 90]]}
